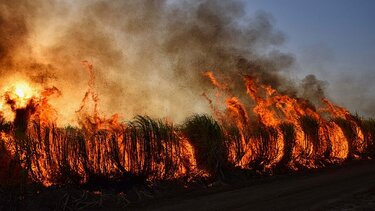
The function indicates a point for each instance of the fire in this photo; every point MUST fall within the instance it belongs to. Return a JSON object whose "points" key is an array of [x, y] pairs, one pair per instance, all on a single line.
{"points": [[16, 95], [21, 92], [262, 130], [316, 137], [90, 149]]}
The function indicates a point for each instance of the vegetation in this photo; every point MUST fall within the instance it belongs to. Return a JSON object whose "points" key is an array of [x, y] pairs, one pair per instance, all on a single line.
{"points": [[265, 147], [289, 137], [207, 138], [369, 134], [351, 136], [146, 150], [310, 127]]}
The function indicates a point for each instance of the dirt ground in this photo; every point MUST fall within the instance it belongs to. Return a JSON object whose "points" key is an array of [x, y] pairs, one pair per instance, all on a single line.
{"points": [[348, 188], [361, 201]]}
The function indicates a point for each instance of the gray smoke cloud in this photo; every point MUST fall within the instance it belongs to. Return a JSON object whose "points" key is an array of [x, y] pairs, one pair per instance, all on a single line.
{"points": [[148, 55], [313, 89]]}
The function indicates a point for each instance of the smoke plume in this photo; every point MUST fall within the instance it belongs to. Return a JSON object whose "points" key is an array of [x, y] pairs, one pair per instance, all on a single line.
{"points": [[148, 56]]}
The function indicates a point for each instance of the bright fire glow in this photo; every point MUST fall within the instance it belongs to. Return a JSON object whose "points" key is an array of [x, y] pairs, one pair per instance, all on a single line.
{"points": [[23, 93], [23, 90], [282, 132], [16, 95]]}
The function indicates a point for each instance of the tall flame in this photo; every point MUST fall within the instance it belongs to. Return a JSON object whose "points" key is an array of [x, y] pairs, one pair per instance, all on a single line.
{"points": [[262, 130]]}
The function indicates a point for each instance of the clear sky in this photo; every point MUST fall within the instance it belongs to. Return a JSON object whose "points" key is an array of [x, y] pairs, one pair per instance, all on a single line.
{"points": [[333, 39]]}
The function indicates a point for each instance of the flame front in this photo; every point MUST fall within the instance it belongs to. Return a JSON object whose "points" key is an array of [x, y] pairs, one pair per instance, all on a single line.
{"points": [[264, 143], [265, 131]]}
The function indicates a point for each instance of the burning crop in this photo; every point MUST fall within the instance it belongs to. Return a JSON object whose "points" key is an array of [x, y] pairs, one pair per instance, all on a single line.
{"points": [[278, 132], [291, 129], [58, 123]]}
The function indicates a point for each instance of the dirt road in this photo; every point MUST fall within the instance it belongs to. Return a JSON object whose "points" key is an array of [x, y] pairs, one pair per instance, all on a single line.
{"points": [[309, 192]]}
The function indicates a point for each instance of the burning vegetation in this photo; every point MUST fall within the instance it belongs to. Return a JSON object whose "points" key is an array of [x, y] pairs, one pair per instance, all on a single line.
{"points": [[282, 133], [257, 119]]}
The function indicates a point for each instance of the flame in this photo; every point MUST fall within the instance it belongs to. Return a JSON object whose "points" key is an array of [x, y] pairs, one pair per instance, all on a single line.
{"points": [[264, 129], [320, 139], [21, 92]]}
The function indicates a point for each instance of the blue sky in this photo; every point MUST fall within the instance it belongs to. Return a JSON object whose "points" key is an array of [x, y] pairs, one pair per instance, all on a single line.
{"points": [[333, 39]]}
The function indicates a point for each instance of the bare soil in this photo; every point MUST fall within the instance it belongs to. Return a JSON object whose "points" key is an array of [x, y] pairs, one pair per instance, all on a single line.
{"points": [[348, 187], [351, 187]]}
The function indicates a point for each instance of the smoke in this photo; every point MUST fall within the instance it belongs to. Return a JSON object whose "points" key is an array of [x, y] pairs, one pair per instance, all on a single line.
{"points": [[355, 91], [313, 89], [148, 55], [14, 30]]}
